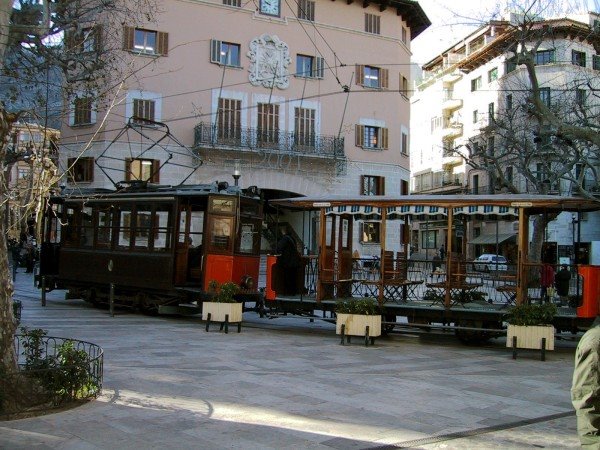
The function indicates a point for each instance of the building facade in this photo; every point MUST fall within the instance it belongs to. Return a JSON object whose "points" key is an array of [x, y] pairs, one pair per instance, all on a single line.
{"points": [[302, 98], [477, 131]]}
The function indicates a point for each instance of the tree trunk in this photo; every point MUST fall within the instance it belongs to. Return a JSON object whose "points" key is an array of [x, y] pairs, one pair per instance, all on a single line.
{"points": [[537, 238]]}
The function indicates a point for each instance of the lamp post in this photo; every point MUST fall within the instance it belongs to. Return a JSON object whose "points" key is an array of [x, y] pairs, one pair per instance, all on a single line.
{"points": [[237, 171]]}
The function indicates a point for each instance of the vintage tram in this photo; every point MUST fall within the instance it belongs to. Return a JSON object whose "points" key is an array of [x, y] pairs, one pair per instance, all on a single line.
{"points": [[155, 247]]}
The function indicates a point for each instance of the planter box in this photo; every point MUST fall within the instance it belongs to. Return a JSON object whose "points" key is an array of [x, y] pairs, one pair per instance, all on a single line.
{"points": [[356, 324], [218, 311], [530, 336]]}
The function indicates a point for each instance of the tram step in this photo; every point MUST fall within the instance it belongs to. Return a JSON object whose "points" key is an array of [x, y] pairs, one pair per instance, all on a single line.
{"points": [[181, 310]]}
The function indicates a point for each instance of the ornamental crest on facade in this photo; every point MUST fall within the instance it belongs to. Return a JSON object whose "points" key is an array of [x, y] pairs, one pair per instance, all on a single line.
{"points": [[270, 58]]}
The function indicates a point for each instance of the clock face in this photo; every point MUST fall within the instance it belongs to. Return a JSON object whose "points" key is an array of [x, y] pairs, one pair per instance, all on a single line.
{"points": [[270, 7]]}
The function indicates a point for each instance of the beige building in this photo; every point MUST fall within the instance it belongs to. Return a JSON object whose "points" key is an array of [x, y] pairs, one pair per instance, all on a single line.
{"points": [[301, 98]]}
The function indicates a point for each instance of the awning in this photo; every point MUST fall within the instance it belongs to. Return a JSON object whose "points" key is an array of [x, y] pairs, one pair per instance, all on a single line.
{"points": [[393, 212], [492, 238]]}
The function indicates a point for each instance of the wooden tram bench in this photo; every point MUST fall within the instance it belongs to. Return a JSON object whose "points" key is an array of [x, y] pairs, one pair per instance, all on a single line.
{"points": [[394, 288], [509, 292], [335, 287], [458, 286]]}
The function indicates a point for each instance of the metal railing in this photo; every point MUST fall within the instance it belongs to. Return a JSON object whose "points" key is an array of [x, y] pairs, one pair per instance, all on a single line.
{"points": [[252, 139], [52, 372]]}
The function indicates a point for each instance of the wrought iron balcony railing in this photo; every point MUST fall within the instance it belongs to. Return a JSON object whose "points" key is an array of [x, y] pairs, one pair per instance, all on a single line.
{"points": [[252, 139]]}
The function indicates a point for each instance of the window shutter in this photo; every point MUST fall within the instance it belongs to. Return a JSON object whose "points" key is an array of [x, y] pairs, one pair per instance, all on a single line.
{"points": [[70, 166], [128, 34], [384, 138], [70, 40], [381, 187], [163, 43], [89, 162], [155, 171], [362, 185], [359, 135], [215, 51], [128, 169], [360, 74], [151, 115], [361, 232], [384, 73], [319, 67]]}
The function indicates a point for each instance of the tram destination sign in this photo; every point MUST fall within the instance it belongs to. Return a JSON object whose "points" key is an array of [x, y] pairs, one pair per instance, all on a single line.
{"points": [[521, 204]]}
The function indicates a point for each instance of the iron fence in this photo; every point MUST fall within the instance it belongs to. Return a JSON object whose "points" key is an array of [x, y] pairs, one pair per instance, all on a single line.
{"points": [[52, 372]]}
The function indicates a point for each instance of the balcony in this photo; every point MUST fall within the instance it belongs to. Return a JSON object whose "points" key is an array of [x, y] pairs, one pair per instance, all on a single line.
{"points": [[451, 157], [452, 129], [450, 103], [252, 140]]}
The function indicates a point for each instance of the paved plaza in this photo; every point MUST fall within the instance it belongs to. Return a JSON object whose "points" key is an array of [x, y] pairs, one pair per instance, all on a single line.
{"points": [[287, 383]]}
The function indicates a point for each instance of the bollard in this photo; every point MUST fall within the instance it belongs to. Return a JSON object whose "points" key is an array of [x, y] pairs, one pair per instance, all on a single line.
{"points": [[43, 290], [111, 300]]}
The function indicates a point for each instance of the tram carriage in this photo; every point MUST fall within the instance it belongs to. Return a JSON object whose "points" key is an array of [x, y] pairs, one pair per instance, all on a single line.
{"points": [[389, 281], [158, 246]]}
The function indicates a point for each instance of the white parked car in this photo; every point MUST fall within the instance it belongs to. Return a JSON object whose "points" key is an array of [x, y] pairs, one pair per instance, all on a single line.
{"points": [[487, 262]]}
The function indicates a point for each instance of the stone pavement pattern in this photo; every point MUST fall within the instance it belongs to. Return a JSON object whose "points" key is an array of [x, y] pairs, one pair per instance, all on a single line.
{"points": [[287, 383]]}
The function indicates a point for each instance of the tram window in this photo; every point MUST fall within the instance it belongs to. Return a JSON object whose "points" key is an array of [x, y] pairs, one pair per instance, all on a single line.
{"points": [[196, 228], [104, 227], [71, 235], [370, 233], [125, 227], [54, 224], [220, 237], [250, 208], [328, 232], [143, 225], [161, 232], [249, 237], [86, 238]]}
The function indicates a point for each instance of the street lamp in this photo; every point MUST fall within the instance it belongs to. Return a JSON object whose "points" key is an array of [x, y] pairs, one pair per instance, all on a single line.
{"points": [[237, 171]]}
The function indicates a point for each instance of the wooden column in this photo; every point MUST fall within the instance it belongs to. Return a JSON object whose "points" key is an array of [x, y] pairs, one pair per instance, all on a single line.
{"points": [[522, 276], [382, 232], [321, 252], [448, 248]]}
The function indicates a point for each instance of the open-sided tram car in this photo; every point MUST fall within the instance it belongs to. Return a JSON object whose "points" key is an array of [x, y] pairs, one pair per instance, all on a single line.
{"points": [[157, 246]]}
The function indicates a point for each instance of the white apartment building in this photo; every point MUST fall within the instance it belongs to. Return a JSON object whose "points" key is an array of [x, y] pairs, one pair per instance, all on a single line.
{"points": [[302, 98], [471, 91]]}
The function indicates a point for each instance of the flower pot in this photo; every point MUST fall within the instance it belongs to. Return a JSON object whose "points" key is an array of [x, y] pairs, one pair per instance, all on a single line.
{"points": [[356, 324], [530, 336], [218, 311]]}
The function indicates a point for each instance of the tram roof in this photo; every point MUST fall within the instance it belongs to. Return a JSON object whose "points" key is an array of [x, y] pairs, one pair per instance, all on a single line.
{"points": [[533, 203]]}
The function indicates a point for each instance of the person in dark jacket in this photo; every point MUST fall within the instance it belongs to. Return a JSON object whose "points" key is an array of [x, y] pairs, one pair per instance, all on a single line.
{"points": [[561, 281], [585, 390], [289, 262]]}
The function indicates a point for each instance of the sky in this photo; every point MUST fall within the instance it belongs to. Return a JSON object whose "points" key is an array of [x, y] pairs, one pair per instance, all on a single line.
{"points": [[452, 20]]}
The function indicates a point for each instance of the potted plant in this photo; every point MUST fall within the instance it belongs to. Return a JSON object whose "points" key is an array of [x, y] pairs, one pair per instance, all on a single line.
{"points": [[530, 326], [358, 317], [223, 306]]}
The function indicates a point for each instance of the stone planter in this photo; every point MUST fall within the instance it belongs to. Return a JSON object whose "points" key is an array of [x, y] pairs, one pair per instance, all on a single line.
{"points": [[225, 313], [356, 325], [521, 336]]}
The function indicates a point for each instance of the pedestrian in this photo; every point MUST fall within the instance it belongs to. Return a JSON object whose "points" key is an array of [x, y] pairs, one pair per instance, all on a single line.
{"points": [[547, 281], [585, 390], [288, 261], [442, 253], [561, 282], [436, 265]]}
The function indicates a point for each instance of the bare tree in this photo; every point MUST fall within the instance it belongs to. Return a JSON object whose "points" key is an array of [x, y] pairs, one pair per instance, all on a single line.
{"points": [[78, 40]]}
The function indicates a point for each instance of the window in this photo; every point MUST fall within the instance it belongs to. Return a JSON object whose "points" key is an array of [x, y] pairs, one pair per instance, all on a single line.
{"points": [[429, 239], [475, 188], [90, 39], [476, 84], [404, 86], [545, 96], [404, 143], [229, 119], [372, 77], [493, 75], [104, 226], [309, 66], [225, 53], [509, 102], [509, 175], [510, 65], [371, 137], [82, 111], [372, 23], [580, 97], [475, 116], [142, 169], [404, 35], [436, 122], [544, 57], [578, 58], [268, 123], [143, 110], [148, 42], [596, 62], [491, 108], [306, 10], [370, 233], [491, 142], [80, 170], [236, 3], [304, 124], [23, 173], [372, 185]]}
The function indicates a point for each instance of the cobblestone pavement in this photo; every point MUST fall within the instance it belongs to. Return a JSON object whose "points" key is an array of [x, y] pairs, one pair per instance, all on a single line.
{"points": [[287, 383]]}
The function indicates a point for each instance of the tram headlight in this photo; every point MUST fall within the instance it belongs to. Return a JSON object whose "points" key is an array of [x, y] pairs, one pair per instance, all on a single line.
{"points": [[247, 282]]}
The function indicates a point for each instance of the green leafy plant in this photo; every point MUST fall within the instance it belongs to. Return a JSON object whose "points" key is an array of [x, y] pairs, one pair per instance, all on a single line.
{"points": [[432, 295], [365, 306], [530, 315], [223, 293], [468, 297]]}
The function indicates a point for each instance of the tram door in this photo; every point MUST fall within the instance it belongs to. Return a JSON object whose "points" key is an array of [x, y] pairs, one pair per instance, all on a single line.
{"points": [[188, 249], [336, 258]]}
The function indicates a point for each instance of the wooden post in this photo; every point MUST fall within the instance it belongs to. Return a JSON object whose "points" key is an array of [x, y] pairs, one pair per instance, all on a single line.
{"points": [[322, 249], [522, 256], [448, 247], [382, 262]]}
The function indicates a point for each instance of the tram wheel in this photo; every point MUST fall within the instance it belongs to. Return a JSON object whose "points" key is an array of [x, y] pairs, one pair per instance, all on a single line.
{"points": [[144, 304], [472, 337]]}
